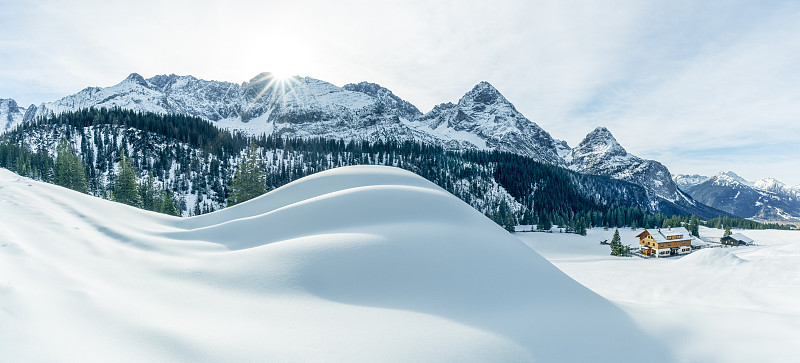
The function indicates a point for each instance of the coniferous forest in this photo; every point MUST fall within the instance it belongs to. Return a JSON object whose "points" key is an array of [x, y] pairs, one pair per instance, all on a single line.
{"points": [[183, 165]]}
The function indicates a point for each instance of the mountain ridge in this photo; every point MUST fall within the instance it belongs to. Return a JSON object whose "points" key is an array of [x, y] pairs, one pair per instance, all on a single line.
{"points": [[305, 107], [766, 199]]}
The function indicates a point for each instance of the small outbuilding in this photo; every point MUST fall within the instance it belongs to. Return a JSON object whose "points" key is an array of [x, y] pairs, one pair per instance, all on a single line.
{"points": [[698, 244], [736, 239]]}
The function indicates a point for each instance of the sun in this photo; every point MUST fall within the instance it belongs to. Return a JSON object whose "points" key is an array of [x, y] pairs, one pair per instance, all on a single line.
{"points": [[281, 75], [278, 84]]}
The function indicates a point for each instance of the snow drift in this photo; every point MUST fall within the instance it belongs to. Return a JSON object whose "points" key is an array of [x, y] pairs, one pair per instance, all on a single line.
{"points": [[352, 264]]}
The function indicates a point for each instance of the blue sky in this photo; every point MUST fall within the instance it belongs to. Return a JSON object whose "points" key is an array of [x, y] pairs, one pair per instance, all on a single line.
{"points": [[702, 86]]}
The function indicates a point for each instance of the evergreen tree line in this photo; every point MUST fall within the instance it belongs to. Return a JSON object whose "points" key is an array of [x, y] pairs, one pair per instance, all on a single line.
{"points": [[728, 222], [198, 168]]}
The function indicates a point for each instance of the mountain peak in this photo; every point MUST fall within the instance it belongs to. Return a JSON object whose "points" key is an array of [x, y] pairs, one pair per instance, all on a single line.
{"points": [[772, 185], [601, 130], [484, 85], [686, 181], [384, 95], [8, 103], [261, 77], [484, 93], [729, 177], [601, 141], [136, 78]]}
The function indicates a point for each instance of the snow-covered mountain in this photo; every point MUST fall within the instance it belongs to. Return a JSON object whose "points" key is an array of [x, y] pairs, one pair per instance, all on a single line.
{"points": [[319, 269], [686, 182], [600, 153], [729, 178], [296, 106], [766, 199], [10, 114], [773, 185], [307, 107], [486, 119]]}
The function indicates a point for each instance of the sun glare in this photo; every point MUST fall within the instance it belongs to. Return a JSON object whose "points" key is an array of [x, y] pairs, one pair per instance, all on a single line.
{"points": [[281, 75], [277, 85]]}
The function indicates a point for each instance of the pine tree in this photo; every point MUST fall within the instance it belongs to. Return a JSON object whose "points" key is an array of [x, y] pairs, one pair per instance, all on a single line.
{"points": [[581, 225], [727, 231], [505, 217], [168, 205], [250, 180], [694, 226], [617, 249], [544, 222], [527, 217], [68, 170], [150, 193], [125, 189]]}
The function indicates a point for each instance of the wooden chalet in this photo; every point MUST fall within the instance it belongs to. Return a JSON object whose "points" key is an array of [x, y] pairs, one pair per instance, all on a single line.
{"points": [[665, 242], [736, 239]]}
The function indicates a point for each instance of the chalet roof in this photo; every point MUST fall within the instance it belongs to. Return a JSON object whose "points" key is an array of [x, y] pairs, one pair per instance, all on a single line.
{"points": [[657, 235], [741, 237], [660, 235], [699, 242], [677, 231]]}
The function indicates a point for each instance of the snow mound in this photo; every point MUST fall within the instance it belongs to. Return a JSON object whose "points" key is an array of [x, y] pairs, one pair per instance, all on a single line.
{"points": [[712, 257], [354, 264], [7, 176]]}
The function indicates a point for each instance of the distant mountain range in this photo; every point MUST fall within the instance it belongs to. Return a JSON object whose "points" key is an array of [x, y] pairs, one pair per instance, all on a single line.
{"points": [[305, 107], [765, 199]]}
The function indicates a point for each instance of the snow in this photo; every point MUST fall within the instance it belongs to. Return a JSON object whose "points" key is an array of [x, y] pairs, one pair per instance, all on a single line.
{"points": [[255, 126], [352, 264], [729, 178], [686, 181], [737, 304], [444, 132], [312, 91], [10, 114], [770, 185]]}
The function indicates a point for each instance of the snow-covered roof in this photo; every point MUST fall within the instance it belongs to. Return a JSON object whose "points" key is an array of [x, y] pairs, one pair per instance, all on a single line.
{"points": [[741, 237], [677, 231], [699, 242], [656, 235], [660, 235]]}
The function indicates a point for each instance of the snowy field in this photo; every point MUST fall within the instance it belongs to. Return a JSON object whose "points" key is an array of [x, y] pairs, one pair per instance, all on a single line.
{"points": [[357, 264], [738, 304]]}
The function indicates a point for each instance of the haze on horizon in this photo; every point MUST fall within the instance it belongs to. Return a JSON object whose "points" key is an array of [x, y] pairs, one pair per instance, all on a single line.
{"points": [[702, 87]]}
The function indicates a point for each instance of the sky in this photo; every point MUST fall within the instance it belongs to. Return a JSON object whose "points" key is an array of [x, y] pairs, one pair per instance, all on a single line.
{"points": [[701, 86]]}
